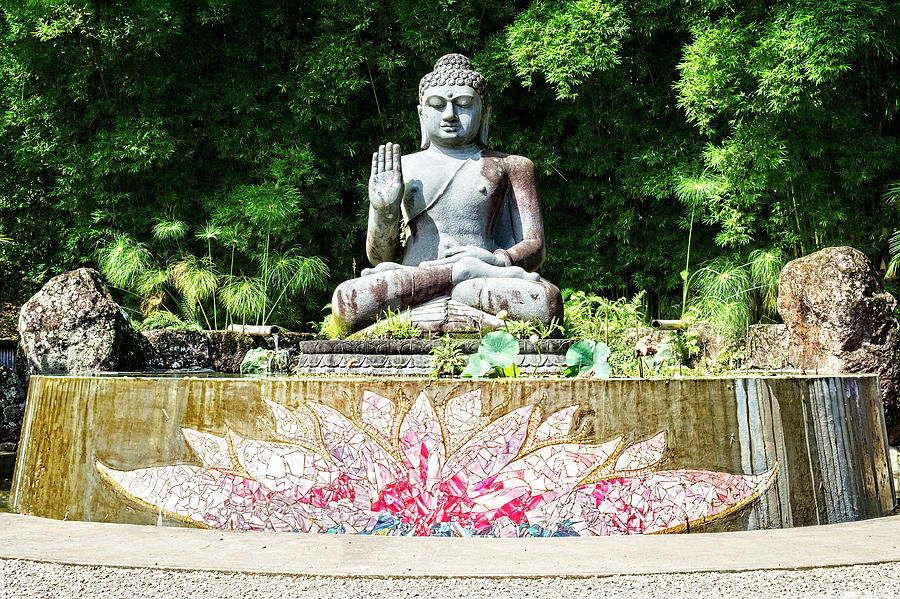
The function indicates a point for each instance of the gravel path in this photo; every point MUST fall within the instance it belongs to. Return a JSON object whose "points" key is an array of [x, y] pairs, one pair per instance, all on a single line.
{"points": [[20, 578]]}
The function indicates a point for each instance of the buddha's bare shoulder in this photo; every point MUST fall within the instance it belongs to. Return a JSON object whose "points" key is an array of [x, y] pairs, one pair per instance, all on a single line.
{"points": [[509, 162]]}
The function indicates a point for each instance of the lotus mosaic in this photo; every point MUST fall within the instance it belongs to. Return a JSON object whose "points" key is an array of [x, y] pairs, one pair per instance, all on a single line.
{"points": [[411, 468]]}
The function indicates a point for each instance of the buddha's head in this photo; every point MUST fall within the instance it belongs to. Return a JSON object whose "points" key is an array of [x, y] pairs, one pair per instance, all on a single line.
{"points": [[453, 107]]}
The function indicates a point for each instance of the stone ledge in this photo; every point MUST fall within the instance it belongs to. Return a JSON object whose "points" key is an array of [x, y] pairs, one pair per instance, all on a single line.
{"points": [[406, 364], [421, 346], [173, 349]]}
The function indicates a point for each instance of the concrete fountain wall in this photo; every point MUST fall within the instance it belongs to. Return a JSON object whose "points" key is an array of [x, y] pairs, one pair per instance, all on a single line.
{"points": [[806, 450]]}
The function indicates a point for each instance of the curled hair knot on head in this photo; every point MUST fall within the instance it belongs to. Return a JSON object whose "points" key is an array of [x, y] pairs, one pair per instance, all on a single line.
{"points": [[454, 69]]}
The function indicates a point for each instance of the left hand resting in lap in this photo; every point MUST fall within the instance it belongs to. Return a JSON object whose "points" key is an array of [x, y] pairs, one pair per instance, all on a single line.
{"points": [[454, 254]]}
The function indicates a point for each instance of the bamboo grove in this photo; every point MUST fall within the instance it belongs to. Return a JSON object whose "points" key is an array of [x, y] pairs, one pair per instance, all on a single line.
{"points": [[228, 138]]}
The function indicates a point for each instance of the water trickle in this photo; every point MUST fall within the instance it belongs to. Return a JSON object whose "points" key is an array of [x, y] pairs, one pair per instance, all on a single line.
{"points": [[275, 341]]}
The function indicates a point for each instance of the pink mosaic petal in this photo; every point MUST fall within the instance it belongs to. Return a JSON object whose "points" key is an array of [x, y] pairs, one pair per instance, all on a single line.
{"points": [[358, 455], [421, 444], [490, 449], [640, 458], [293, 470], [378, 414], [661, 501], [211, 449], [292, 425], [557, 425], [204, 496], [537, 478], [462, 417], [223, 500]]}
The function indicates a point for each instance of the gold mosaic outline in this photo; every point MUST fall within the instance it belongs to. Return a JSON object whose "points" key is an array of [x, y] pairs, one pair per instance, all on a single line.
{"points": [[403, 406], [104, 475], [595, 476], [739, 505]]}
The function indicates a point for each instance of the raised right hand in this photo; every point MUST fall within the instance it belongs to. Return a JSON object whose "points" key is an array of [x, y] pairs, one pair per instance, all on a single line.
{"points": [[386, 182]]}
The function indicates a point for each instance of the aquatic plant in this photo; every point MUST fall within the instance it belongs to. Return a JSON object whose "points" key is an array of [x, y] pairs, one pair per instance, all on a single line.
{"points": [[496, 357], [191, 286], [588, 358], [731, 295]]}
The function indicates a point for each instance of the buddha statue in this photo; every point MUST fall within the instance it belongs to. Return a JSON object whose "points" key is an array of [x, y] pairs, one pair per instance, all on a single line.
{"points": [[454, 224]]}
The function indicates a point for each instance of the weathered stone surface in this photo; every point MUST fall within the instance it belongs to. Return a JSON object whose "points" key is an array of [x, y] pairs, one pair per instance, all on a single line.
{"points": [[837, 313], [766, 347], [420, 346], [174, 349], [840, 319], [534, 301], [171, 349], [287, 340], [228, 348], [73, 325], [410, 357], [710, 341], [12, 405], [443, 315], [472, 222]]}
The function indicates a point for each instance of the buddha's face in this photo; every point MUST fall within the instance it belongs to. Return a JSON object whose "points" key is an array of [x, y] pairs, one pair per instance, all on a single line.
{"points": [[451, 115]]}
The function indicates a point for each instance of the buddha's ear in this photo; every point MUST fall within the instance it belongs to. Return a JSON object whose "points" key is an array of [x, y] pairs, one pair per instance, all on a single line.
{"points": [[425, 140], [485, 126]]}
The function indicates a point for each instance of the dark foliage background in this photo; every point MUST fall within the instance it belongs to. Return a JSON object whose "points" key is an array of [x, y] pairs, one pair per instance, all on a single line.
{"points": [[769, 124]]}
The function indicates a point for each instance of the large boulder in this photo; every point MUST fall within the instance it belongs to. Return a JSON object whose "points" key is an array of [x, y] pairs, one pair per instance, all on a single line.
{"points": [[840, 319], [172, 349], [73, 325]]}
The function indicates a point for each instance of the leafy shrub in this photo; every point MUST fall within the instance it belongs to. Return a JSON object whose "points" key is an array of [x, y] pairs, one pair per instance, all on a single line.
{"points": [[391, 325], [163, 319], [195, 286], [328, 328], [447, 358]]}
